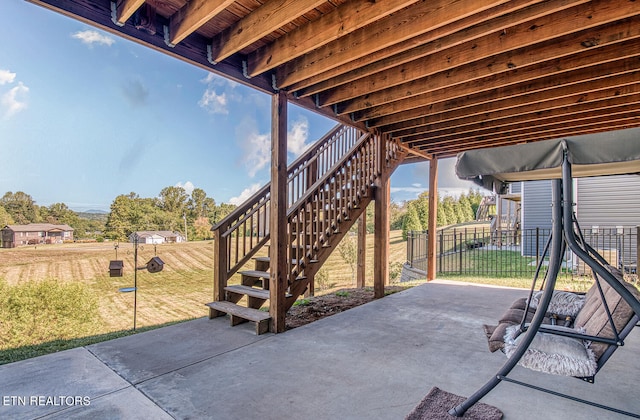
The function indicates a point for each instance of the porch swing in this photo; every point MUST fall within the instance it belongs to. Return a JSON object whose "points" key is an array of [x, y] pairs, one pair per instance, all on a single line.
{"points": [[552, 331]]}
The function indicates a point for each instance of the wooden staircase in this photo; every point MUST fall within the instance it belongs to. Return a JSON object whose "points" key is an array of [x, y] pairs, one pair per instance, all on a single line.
{"points": [[328, 189]]}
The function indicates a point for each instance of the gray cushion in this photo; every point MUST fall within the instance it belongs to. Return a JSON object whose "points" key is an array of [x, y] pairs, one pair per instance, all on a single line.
{"points": [[593, 316], [562, 303], [551, 353]]}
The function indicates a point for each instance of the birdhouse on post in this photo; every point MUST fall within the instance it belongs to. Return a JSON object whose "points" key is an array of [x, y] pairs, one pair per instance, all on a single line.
{"points": [[116, 267], [155, 265]]}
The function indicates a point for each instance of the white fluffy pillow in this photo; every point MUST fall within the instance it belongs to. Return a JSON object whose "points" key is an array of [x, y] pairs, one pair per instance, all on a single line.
{"points": [[562, 303], [552, 353]]}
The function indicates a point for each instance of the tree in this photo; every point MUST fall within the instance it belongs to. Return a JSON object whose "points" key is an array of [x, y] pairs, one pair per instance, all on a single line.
{"points": [[348, 250], [59, 213], [119, 224], [173, 199], [475, 198], [222, 211], [202, 228], [20, 207], [411, 221], [446, 208], [5, 218], [199, 204], [465, 206], [396, 216]]}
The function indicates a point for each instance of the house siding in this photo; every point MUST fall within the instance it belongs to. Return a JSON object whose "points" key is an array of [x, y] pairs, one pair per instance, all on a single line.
{"points": [[536, 212], [609, 201]]}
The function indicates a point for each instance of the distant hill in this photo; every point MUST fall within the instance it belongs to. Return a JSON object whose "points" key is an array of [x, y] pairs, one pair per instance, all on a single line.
{"points": [[100, 215]]}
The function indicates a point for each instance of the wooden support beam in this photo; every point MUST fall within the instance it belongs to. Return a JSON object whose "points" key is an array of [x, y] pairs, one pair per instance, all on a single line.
{"points": [[382, 196], [456, 32], [268, 18], [422, 17], [362, 249], [126, 8], [517, 85], [616, 81], [567, 116], [278, 250], [450, 51], [345, 19], [541, 39], [193, 15], [461, 120], [433, 217]]}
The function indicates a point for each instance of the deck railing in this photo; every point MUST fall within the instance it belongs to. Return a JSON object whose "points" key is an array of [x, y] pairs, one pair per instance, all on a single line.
{"points": [[246, 229], [510, 253]]}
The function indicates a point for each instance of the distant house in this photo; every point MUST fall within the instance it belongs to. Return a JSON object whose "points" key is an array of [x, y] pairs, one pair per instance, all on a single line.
{"points": [[156, 237], [34, 234]]}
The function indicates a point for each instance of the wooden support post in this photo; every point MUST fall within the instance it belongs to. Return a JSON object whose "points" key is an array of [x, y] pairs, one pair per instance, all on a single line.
{"points": [[433, 217], [362, 249], [219, 271], [220, 266], [381, 222], [278, 213]]}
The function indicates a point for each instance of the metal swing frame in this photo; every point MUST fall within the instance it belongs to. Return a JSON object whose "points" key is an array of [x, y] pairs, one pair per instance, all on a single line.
{"points": [[562, 235]]}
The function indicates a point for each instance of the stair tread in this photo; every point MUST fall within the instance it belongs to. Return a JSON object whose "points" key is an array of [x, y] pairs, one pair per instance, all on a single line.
{"points": [[268, 259], [249, 291], [250, 314], [255, 273]]}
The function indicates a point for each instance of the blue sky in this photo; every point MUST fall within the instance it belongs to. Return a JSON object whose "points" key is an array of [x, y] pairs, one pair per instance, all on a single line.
{"points": [[86, 116]]}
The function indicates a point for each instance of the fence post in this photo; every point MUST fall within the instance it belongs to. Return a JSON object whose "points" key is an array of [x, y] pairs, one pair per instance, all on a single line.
{"points": [[461, 251], [455, 242], [410, 248], [440, 254], [537, 246]]}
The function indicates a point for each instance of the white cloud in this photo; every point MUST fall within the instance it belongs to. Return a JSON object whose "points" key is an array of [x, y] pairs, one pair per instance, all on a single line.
{"points": [[256, 147], [6, 77], [214, 79], [218, 94], [297, 136], [187, 186], [14, 100], [257, 152], [91, 37], [213, 102], [245, 194]]}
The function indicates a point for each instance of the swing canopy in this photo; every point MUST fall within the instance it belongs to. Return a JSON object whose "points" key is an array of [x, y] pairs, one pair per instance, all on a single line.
{"points": [[611, 153]]}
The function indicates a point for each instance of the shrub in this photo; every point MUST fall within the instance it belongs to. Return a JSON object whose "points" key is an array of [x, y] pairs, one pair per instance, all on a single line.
{"points": [[36, 312]]}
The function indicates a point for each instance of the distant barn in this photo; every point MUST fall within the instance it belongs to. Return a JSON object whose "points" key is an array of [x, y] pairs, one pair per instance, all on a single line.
{"points": [[156, 237], [34, 234]]}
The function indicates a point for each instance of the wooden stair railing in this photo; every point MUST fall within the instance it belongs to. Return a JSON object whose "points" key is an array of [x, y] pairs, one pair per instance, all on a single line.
{"points": [[245, 230], [324, 215], [326, 200]]}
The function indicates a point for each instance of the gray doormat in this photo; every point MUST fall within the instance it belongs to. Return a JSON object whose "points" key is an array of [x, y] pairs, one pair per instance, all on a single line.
{"points": [[437, 403]]}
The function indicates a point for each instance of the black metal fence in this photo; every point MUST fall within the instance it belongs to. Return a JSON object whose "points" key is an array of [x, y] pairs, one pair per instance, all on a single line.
{"points": [[509, 253]]}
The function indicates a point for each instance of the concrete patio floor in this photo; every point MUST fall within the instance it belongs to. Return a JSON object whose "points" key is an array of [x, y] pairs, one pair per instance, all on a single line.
{"points": [[376, 361]]}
